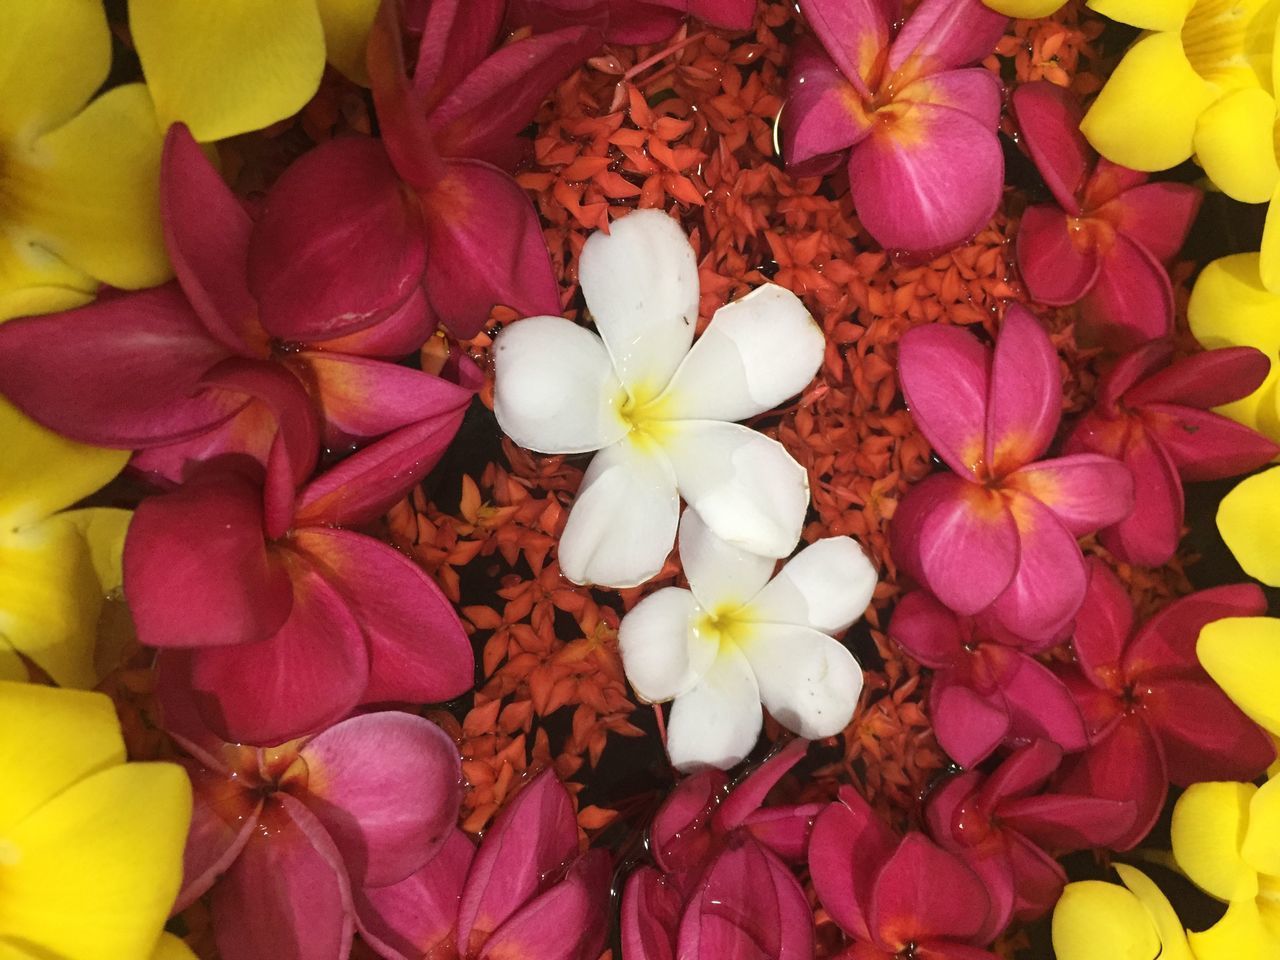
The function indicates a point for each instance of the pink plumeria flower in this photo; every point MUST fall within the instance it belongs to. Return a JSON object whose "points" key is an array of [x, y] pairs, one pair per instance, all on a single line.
{"points": [[632, 21], [660, 409], [737, 639], [1106, 238], [1000, 531], [916, 121]]}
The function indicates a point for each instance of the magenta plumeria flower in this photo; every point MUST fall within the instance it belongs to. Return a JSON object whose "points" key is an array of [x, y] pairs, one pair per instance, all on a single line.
{"points": [[988, 688], [916, 121], [895, 896], [286, 837], [721, 885], [1106, 238], [1008, 829], [1155, 416], [526, 892], [631, 21], [1154, 715], [1000, 531]]}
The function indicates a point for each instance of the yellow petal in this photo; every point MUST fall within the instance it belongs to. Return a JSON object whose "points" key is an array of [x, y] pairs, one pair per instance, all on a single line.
{"points": [[1249, 521], [1235, 145], [1026, 9], [88, 191], [1242, 654], [103, 529], [1173, 936], [229, 67], [1145, 116], [1240, 935], [1209, 822], [346, 34], [94, 872], [1091, 912], [1269, 255], [1261, 846], [53, 56], [1230, 42], [1147, 14], [71, 734], [172, 948], [12, 667], [42, 472]]}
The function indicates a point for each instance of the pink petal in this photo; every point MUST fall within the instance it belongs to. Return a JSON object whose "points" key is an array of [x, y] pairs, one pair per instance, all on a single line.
{"points": [[124, 371], [402, 332], [1203, 380], [854, 33], [784, 830], [1166, 644], [959, 539], [1026, 393], [973, 90], [287, 896], [531, 839], [1204, 445], [456, 37], [968, 725], [1057, 269], [250, 432], [1062, 823], [338, 245], [727, 14], [824, 113], [1023, 772], [946, 378], [651, 911], [929, 180], [1102, 626], [923, 892], [415, 918], [487, 249], [1158, 216], [387, 787], [927, 631], [943, 34], [1041, 706], [1038, 879], [197, 569], [1049, 585], [568, 922], [1049, 118], [1132, 300], [312, 672], [849, 845], [418, 650], [1133, 367], [206, 232], [1085, 491], [749, 796], [1149, 536], [1205, 736], [678, 836], [180, 718], [224, 816]]}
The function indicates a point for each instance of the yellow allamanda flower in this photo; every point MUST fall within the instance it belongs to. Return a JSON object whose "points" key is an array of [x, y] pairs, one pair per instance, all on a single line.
{"points": [[1133, 922], [90, 846]]}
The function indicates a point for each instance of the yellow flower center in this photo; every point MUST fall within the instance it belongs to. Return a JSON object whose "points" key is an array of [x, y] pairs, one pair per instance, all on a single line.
{"points": [[647, 421], [728, 623], [1229, 42]]}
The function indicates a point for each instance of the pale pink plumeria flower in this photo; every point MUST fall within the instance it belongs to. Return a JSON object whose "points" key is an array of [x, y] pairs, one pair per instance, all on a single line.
{"points": [[661, 410], [738, 639]]}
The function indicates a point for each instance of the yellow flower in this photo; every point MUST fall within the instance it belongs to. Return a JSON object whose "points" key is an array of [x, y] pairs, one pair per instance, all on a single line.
{"points": [[78, 176], [1226, 838], [90, 846], [233, 66], [1249, 521], [55, 568], [1026, 9], [1242, 654], [1095, 919]]}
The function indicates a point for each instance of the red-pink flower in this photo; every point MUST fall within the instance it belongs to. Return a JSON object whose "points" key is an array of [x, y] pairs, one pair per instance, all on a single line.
{"points": [[631, 21], [988, 688], [721, 885], [1156, 418], [1000, 531], [526, 892], [895, 896], [1009, 829], [1107, 236], [917, 123], [286, 837], [1154, 716]]}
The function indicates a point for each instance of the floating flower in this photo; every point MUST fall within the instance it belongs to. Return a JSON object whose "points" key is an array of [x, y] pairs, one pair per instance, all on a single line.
{"points": [[284, 837], [1025, 9], [1249, 521], [895, 895], [712, 848], [1136, 921], [56, 565], [91, 846], [1153, 713], [1154, 416], [1001, 531], [1008, 829], [526, 892], [988, 689], [632, 21], [77, 188], [919, 125], [1242, 654], [1226, 839], [1106, 238], [277, 621], [660, 412], [737, 639], [239, 68]]}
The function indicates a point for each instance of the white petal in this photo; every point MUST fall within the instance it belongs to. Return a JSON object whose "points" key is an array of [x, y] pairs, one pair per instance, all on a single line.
{"points": [[623, 523], [661, 653], [827, 586], [746, 487], [755, 353], [717, 722], [641, 285], [554, 388], [808, 681], [720, 575]]}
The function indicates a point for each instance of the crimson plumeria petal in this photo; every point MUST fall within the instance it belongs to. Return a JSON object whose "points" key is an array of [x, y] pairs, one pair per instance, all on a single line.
{"points": [[223, 818], [250, 432], [1204, 445], [570, 921], [651, 910], [946, 378], [1063, 823], [854, 34], [1166, 643], [402, 332], [456, 37], [1040, 705], [1149, 536], [927, 630], [849, 845], [1056, 266], [1049, 584], [1049, 118], [944, 34], [1205, 736], [924, 893], [1102, 627], [1203, 380], [1026, 393], [784, 830], [1157, 216], [1038, 878], [1131, 300], [1133, 367], [678, 834], [1085, 491], [748, 796], [1021, 774], [969, 725], [824, 114], [972, 90]]}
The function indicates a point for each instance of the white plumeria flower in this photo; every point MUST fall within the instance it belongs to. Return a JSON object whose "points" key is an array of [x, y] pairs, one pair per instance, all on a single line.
{"points": [[662, 415], [736, 640]]}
